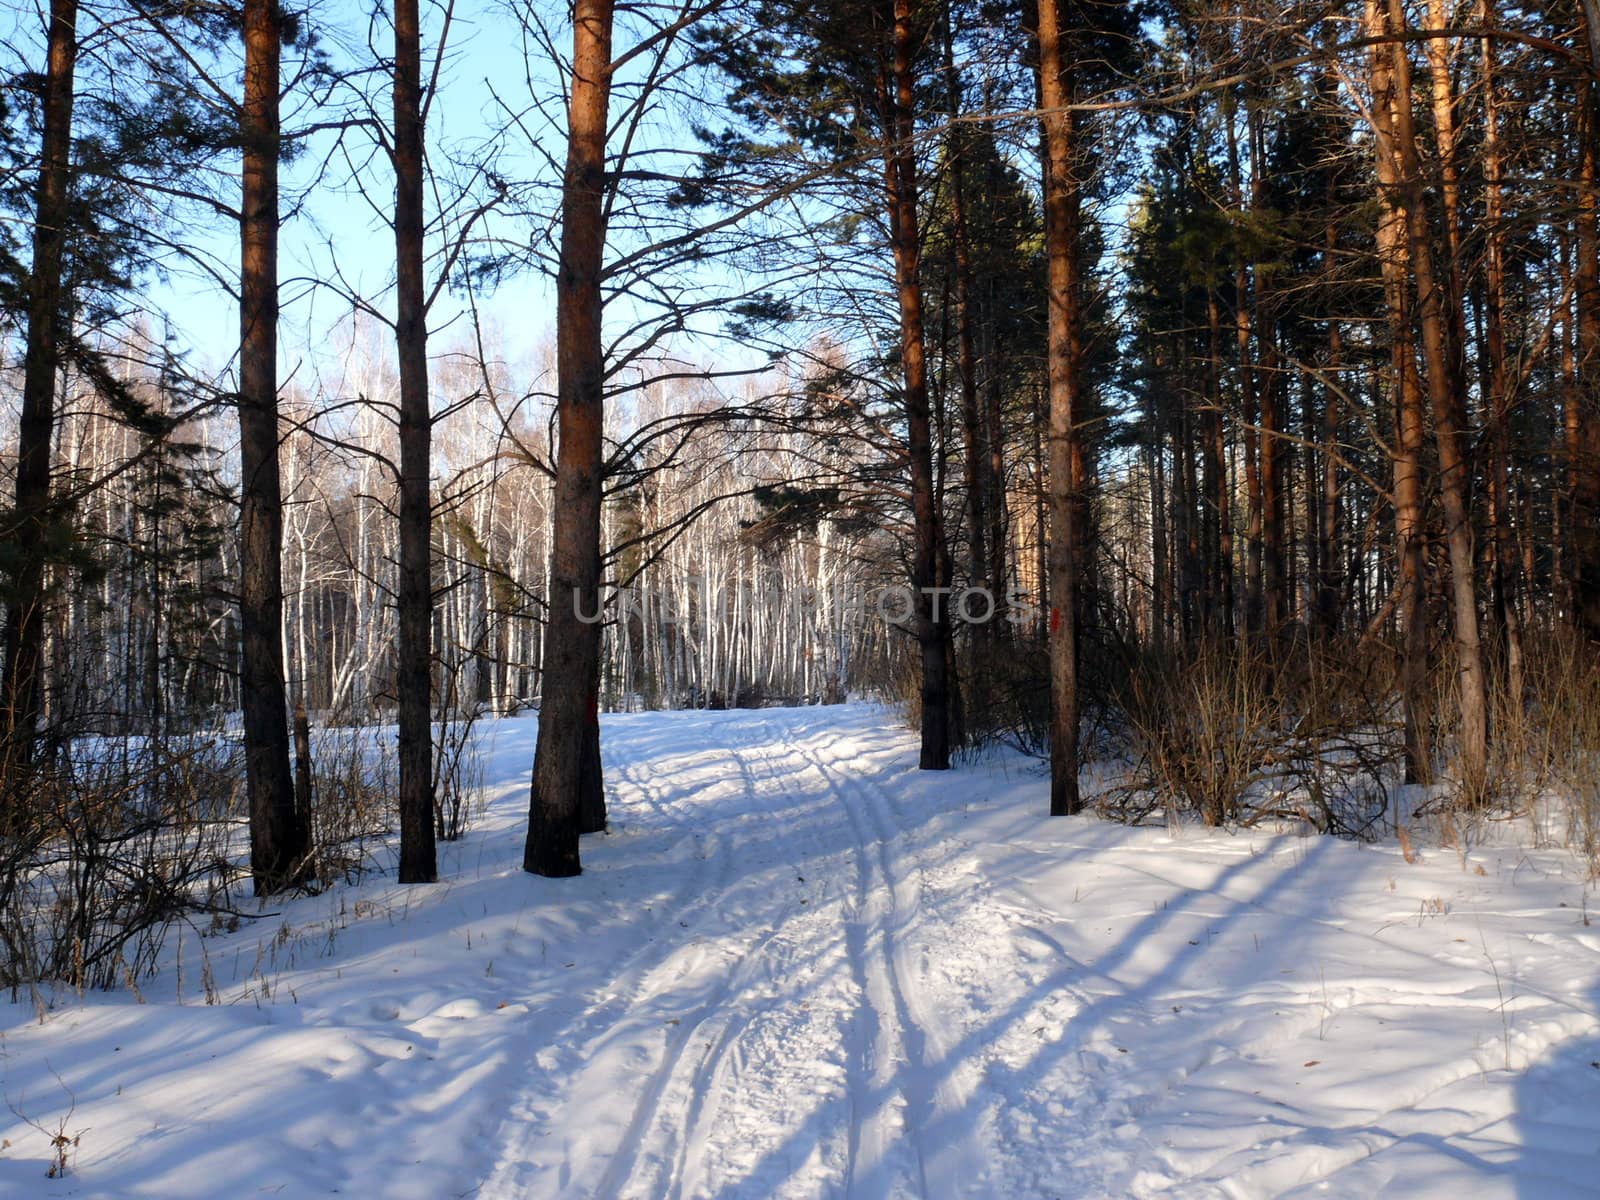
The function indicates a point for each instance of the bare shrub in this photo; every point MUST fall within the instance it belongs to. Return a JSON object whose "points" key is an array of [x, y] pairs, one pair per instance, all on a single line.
{"points": [[1343, 736], [457, 774], [1556, 738], [352, 801], [1008, 696], [1233, 734], [103, 851], [1201, 728]]}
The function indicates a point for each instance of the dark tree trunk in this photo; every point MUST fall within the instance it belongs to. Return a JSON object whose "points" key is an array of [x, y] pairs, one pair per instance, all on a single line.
{"points": [[1269, 388], [591, 778], [974, 460], [279, 837], [1505, 565], [1064, 367], [932, 611], [999, 571], [1330, 510], [1583, 418], [414, 669], [1187, 522], [1219, 533], [1243, 310], [25, 625], [572, 643]]}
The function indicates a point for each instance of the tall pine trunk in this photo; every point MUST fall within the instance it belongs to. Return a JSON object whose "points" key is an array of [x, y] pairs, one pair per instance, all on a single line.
{"points": [[1449, 429], [1064, 358], [932, 614], [1274, 604], [572, 644], [1254, 595], [974, 459], [1406, 388], [418, 862], [1219, 518], [1583, 418], [1505, 564], [24, 631], [279, 837]]}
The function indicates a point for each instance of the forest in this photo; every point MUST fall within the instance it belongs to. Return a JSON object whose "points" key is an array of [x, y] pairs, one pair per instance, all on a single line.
{"points": [[746, 459]]}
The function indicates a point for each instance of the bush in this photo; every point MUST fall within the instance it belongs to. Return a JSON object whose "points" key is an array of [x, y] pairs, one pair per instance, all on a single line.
{"points": [[102, 852], [1237, 735]]}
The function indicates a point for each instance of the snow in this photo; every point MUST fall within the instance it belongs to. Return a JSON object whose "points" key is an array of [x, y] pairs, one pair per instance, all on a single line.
{"points": [[798, 967]]}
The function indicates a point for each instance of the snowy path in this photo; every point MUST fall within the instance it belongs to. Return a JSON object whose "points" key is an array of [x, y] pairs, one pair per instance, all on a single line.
{"points": [[800, 968]]}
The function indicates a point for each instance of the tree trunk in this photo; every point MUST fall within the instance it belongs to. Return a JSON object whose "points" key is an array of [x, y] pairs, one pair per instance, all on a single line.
{"points": [[279, 836], [974, 458], [1450, 432], [1505, 568], [25, 626], [1394, 264], [1064, 369], [414, 665], [1254, 597], [1274, 608], [998, 570], [932, 610], [1219, 536], [1330, 511], [572, 644], [1584, 414]]}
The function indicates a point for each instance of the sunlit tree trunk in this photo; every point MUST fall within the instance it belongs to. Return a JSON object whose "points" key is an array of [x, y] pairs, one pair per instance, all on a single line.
{"points": [[1394, 264], [1064, 356], [572, 645], [931, 618], [1449, 427]]}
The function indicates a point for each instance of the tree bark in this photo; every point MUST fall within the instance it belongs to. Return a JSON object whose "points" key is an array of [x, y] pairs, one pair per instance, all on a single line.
{"points": [[24, 631], [1064, 354], [414, 674], [1505, 567], [279, 837], [1583, 418], [1394, 265], [1254, 594], [1330, 509], [1449, 428], [932, 610], [1268, 389], [572, 644], [974, 460], [1219, 534]]}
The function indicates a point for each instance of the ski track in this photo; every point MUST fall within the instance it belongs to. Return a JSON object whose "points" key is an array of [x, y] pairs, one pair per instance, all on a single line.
{"points": [[969, 1035], [799, 968]]}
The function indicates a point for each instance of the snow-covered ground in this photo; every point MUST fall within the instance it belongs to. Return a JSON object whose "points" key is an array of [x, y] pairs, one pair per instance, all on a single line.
{"points": [[798, 967]]}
